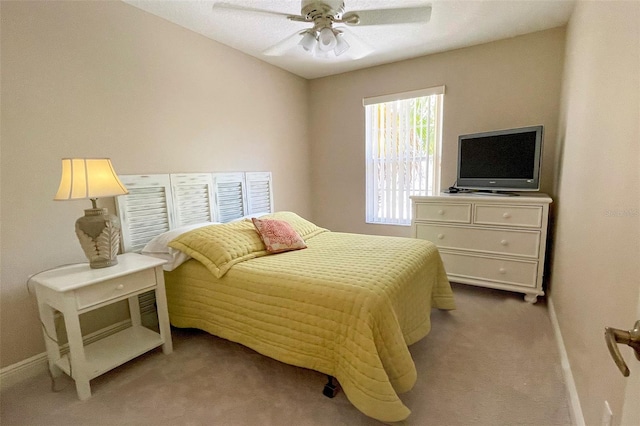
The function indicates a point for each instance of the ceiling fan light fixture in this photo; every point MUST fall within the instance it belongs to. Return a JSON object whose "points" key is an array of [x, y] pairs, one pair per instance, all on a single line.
{"points": [[341, 45], [308, 41], [327, 40]]}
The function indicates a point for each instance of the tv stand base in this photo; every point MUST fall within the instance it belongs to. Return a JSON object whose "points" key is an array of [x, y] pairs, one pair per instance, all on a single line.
{"points": [[495, 193]]}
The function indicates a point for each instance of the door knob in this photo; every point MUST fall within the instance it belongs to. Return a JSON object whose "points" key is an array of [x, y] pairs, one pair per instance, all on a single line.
{"points": [[613, 336]]}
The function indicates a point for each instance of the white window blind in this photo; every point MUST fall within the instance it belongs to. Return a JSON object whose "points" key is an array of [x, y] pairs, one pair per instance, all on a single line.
{"points": [[403, 143]]}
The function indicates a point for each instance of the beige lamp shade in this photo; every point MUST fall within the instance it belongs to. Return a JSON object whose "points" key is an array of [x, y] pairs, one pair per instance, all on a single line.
{"points": [[88, 178]]}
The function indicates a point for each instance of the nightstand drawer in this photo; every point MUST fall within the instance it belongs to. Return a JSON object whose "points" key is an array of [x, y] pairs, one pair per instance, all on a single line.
{"points": [[442, 212], [497, 241], [114, 288], [525, 216], [505, 271]]}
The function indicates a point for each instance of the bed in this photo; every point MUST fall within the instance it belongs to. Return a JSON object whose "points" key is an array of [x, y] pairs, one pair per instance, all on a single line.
{"points": [[346, 305]]}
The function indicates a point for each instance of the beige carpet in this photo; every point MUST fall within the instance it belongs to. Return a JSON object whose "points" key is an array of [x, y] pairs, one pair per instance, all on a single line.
{"points": [[493, 361]]}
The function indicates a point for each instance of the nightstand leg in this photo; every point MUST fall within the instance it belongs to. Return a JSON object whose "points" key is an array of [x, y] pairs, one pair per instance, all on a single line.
{"points": [[78, 362], [83, 388], [134, 310], [163, 316], [47, 315]]}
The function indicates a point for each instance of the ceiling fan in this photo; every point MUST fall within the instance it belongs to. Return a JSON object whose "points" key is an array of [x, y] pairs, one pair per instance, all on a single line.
{"points": [[323, 39]]}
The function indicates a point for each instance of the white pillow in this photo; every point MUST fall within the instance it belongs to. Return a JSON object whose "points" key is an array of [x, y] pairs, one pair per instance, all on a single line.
{"points": [[158, 247], [249, 216]]}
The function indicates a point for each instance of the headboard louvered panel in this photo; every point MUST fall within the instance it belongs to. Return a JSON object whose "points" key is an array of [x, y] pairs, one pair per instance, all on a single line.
{"points": [[192, 198], [259, 193], [230, 195], [146, 211]]}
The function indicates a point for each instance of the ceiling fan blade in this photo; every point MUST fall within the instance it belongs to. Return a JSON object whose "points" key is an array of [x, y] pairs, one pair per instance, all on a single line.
{"points": [[407, 15], [283, 46], [235, 7], [357, 47]]}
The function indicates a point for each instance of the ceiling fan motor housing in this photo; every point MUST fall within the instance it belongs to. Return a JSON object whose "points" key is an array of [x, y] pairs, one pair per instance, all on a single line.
{"points": [[313, 9]]}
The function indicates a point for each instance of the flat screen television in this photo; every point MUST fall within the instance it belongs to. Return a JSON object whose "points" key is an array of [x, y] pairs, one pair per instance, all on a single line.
{"points": [[502, 160]]}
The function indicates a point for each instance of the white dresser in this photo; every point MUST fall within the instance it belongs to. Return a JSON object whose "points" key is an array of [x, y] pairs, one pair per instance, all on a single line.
{"points": [[488, 240]]}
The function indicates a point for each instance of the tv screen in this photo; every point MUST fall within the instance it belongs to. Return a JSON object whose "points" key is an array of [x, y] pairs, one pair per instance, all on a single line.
{"points": [[502, 160]]}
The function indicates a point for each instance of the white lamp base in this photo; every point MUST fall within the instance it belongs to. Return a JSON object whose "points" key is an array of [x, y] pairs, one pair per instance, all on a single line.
{"points": [[99, 235]]}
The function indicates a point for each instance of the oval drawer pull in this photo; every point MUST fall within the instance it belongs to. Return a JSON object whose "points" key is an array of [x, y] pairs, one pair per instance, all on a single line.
{"points": [[119, 286], [506, 215], [440, 236], [440, 212], [504, 242], [502, 271]]}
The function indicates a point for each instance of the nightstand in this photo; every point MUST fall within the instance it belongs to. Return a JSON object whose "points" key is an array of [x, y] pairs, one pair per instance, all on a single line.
{"points": [[76, 289]]}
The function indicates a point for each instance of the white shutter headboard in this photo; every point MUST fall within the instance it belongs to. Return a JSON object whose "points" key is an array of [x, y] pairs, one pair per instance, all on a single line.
{"points": [[161, 202]]}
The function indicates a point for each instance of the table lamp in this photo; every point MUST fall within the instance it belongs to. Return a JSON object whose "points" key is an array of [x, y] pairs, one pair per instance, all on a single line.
{"points": [[98, 231]]}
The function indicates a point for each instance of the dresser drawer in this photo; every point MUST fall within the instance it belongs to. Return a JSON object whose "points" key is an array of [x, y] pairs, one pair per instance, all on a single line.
{"points": [[496, 241], [525, 216], [505, 271], [442, 212], [115, 288]]}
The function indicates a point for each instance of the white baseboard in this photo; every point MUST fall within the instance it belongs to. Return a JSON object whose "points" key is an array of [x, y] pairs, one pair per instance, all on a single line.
{"points": [[23, 370], [38, 364], [576, 410]]}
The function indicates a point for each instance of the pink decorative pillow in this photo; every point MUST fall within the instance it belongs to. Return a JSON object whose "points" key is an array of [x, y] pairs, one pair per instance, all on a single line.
{"points": [[278, 235]]}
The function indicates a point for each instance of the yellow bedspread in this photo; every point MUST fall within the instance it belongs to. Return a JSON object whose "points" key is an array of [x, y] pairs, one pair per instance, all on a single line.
{"points": [[347, 306]]}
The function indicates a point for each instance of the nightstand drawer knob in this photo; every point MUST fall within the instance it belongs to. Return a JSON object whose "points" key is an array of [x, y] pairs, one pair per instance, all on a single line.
{"points": [[120, 287], [440, 236], [506, 215], [504, 242], [440, 212], [502, 271]]}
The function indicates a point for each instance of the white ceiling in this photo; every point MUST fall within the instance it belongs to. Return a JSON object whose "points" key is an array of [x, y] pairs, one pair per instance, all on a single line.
{"points": [[453, 24]]}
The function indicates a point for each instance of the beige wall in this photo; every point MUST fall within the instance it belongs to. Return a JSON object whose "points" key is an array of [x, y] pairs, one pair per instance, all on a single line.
{"points": [[106, 79], [596, 268], [504, 84]]}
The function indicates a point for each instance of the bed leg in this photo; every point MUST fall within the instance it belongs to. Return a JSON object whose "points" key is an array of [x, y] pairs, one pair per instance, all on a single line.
{"points": [[331, 389]]}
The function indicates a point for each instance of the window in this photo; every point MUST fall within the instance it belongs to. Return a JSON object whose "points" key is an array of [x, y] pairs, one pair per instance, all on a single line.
{"points": [[403, 141]]}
